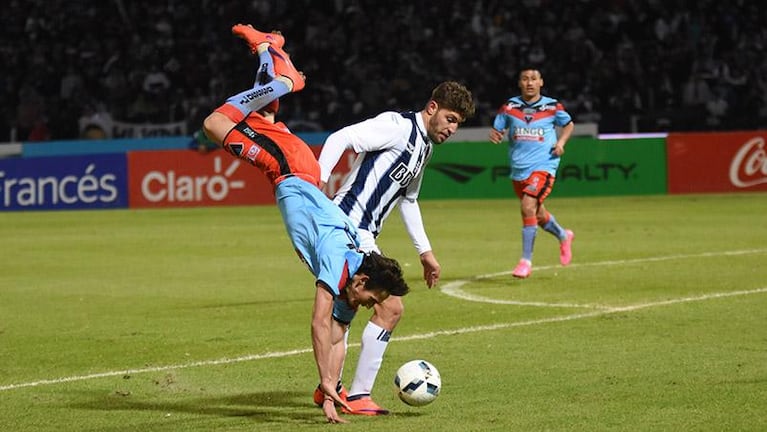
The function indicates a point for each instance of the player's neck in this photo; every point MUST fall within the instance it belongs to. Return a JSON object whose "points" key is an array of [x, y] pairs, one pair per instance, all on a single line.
{"points": [[531, 99]]}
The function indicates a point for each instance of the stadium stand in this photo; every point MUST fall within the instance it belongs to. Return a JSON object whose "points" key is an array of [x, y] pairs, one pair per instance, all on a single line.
{"points": [[628, 65]]}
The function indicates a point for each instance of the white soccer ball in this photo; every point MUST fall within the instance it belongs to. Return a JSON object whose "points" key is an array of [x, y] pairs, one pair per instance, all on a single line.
{"points": [[418, 383]]}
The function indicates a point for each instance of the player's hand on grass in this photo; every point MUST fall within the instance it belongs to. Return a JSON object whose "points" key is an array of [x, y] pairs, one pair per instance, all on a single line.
{"points": [[332, 394], [431, 268], [329, 408]]}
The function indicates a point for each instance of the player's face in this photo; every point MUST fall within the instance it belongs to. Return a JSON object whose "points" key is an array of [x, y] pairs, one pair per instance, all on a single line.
{"points": [[530, 83], [443, 124], [357, 295]]}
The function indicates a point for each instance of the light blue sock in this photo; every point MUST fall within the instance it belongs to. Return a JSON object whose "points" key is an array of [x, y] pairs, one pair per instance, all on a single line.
{"points": [[265, 89], [265, 71], [554, 228], [258, 97], [528, 241]]}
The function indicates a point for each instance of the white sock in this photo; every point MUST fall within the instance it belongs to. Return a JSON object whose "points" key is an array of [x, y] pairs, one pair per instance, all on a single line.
{"points": [[375, 339]]}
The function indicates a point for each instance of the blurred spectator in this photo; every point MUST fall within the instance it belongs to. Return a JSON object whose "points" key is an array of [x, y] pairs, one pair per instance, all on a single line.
{"points": [[644, 62], [717, 108]]}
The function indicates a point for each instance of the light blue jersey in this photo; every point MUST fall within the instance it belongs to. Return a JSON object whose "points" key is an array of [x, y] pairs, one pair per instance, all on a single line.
{"points": [[532, 134], [323, 236]]}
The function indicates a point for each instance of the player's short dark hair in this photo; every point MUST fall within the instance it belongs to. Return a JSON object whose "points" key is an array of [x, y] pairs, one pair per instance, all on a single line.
{"points": [[384, 274], [527, 68], [455, 97]]}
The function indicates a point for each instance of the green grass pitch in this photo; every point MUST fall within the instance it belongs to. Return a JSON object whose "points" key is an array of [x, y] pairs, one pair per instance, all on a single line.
{"points": [[198, 320]]}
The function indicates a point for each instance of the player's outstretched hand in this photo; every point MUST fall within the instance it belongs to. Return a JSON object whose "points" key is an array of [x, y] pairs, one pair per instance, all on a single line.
{"points": [[431, 268]]}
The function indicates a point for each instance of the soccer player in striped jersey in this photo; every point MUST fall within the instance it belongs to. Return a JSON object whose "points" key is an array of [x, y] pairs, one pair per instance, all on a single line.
{"points": [[322, 235], [392, 150], [534, 154]]}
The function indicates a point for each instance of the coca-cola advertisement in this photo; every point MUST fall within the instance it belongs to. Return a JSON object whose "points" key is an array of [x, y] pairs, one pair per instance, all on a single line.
{"points": [[717, 162]]}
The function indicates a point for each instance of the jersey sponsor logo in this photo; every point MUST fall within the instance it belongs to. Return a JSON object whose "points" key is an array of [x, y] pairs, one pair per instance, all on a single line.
{"points": [[400, 174], [250, 133], [528, 133], [749, 166]]}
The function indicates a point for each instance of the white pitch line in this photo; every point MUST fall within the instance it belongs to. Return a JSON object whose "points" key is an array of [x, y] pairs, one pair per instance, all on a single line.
{"points": [[454, 288], [421, 336]]}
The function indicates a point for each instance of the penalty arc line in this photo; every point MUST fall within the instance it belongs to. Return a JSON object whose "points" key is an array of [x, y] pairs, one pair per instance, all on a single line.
{"points": [[458, 331], [454, 288]]}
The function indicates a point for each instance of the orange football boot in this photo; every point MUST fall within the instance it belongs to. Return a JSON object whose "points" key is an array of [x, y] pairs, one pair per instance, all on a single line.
{"points": [[283, 66], [319, 396], [254, 38], [364, 406]]}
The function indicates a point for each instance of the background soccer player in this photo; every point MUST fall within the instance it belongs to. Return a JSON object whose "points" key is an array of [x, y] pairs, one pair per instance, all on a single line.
{"points": [[392, 151], [534, 155]]}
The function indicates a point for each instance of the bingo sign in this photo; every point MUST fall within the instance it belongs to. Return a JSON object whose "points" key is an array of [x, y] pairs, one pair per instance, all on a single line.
{"points": [[717, 162], [184, 178], [63, 183]]}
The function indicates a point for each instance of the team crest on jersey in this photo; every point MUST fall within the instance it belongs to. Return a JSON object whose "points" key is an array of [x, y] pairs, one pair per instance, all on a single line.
{"points": [[529, 114], [253, 152]]}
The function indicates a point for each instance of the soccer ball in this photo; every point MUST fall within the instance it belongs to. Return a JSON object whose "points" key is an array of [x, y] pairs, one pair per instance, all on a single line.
{"points": [[418, 383]]}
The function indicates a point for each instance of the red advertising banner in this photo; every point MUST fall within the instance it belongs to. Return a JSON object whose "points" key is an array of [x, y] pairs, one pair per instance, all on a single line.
{"points": [[186, 178], [717, 162]]}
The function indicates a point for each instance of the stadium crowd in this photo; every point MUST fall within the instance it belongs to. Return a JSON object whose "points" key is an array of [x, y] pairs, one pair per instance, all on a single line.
{"points": [[628, 65]]}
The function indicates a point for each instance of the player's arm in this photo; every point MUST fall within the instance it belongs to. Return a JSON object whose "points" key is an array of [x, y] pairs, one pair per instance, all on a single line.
{"points": [[335, 146], [564, 136], [411, 217], [322, 344], [499, 129], [216, 126], [378, 133]]}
